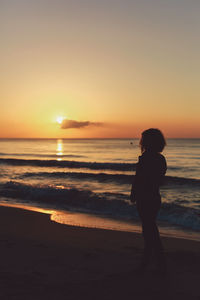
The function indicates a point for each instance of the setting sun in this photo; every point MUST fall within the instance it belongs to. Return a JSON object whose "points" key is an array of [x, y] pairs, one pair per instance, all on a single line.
{"points": [[59, 119]]}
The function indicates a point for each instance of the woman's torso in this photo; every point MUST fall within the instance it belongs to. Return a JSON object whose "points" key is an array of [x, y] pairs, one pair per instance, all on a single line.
{"points": [[150, 171]]}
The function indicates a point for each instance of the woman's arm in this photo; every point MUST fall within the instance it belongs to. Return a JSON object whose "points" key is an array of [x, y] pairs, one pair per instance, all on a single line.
{"points": [[132, 198], [134, 182]]}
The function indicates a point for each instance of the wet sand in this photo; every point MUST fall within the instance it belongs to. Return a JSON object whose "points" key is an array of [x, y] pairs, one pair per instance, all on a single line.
{"points": [[41, 259]]}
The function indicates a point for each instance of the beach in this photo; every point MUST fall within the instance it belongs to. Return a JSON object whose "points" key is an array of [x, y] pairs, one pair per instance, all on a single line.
{"points": [[41, 259], [99, 132]]}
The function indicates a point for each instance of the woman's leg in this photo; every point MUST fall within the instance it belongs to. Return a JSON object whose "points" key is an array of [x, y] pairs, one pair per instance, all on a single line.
{"points": [[152, 241], [158, 248], [147, 231]]}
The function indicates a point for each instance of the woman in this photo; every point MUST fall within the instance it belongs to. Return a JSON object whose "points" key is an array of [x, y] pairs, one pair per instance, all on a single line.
{"points": [[150, 172]]}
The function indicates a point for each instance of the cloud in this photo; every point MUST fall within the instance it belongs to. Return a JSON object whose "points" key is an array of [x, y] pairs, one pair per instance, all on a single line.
{"points": [[68, 124]]}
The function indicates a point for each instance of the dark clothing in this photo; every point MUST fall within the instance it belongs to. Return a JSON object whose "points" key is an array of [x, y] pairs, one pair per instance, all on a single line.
{"points": [[150, 172], [152, 241]]}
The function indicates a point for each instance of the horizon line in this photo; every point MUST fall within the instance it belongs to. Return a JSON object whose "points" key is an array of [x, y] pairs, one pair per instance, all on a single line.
{"points": [[94, 138]]}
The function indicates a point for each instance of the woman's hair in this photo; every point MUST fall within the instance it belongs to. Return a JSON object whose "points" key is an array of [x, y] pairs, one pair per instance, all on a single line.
{"points": [[152, 140]]}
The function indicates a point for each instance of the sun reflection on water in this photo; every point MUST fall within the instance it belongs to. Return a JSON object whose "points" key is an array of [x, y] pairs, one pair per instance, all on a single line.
{"points": [[59, 149]]}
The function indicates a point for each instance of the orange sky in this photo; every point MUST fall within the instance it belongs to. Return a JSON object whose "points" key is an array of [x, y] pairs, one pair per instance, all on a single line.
{"points": [[128, 65]]}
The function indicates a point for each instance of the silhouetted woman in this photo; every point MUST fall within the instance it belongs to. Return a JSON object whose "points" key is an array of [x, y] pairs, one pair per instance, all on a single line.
{"points": [[150, 171]]}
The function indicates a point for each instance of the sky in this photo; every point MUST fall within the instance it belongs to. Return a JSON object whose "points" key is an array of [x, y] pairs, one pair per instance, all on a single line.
{"points": [[99, 68]]}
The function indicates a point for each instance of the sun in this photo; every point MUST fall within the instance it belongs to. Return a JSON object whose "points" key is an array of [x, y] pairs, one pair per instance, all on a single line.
{"points": [[59, 119]]}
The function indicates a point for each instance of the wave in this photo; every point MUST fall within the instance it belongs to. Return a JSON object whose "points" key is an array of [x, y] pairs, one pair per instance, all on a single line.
{"points": [[173, 180], [69, 164], [103, 177], [109, 204], [180, 215], [115, 166], [60, 197], [43, 155]]}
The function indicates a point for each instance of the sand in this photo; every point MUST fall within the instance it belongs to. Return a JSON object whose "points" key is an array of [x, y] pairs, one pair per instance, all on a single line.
{"points": [[41, 259]]}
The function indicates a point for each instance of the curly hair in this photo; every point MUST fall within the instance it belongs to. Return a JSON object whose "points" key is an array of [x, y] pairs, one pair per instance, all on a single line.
{"points": [[152, 140]]}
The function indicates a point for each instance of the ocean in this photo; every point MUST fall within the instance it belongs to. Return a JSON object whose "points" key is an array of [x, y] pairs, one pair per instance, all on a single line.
{"points": [[87, 182]]}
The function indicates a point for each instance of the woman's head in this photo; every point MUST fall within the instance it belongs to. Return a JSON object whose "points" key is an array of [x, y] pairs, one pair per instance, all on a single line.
{"points": [[152, 140]]}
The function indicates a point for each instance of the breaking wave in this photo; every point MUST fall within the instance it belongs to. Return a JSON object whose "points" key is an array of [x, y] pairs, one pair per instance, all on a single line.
{"points": [[103, 177], [69, 164], [108, 204]]}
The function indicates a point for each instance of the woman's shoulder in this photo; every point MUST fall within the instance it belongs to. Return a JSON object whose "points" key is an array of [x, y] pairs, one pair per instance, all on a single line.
{"points": [[153, 157], [162, 158], [163, 162]]}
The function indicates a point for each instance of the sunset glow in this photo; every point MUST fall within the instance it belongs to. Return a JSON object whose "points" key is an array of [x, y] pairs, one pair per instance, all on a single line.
{"points": [[127, 64]]}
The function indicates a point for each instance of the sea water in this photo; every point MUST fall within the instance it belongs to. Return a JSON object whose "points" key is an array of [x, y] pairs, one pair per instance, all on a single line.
{"points": [[88, 181]]}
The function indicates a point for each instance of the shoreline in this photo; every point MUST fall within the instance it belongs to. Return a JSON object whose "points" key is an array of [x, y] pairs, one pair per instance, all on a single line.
{"points": [[87, 220], [42, 259], [45, 216]]}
